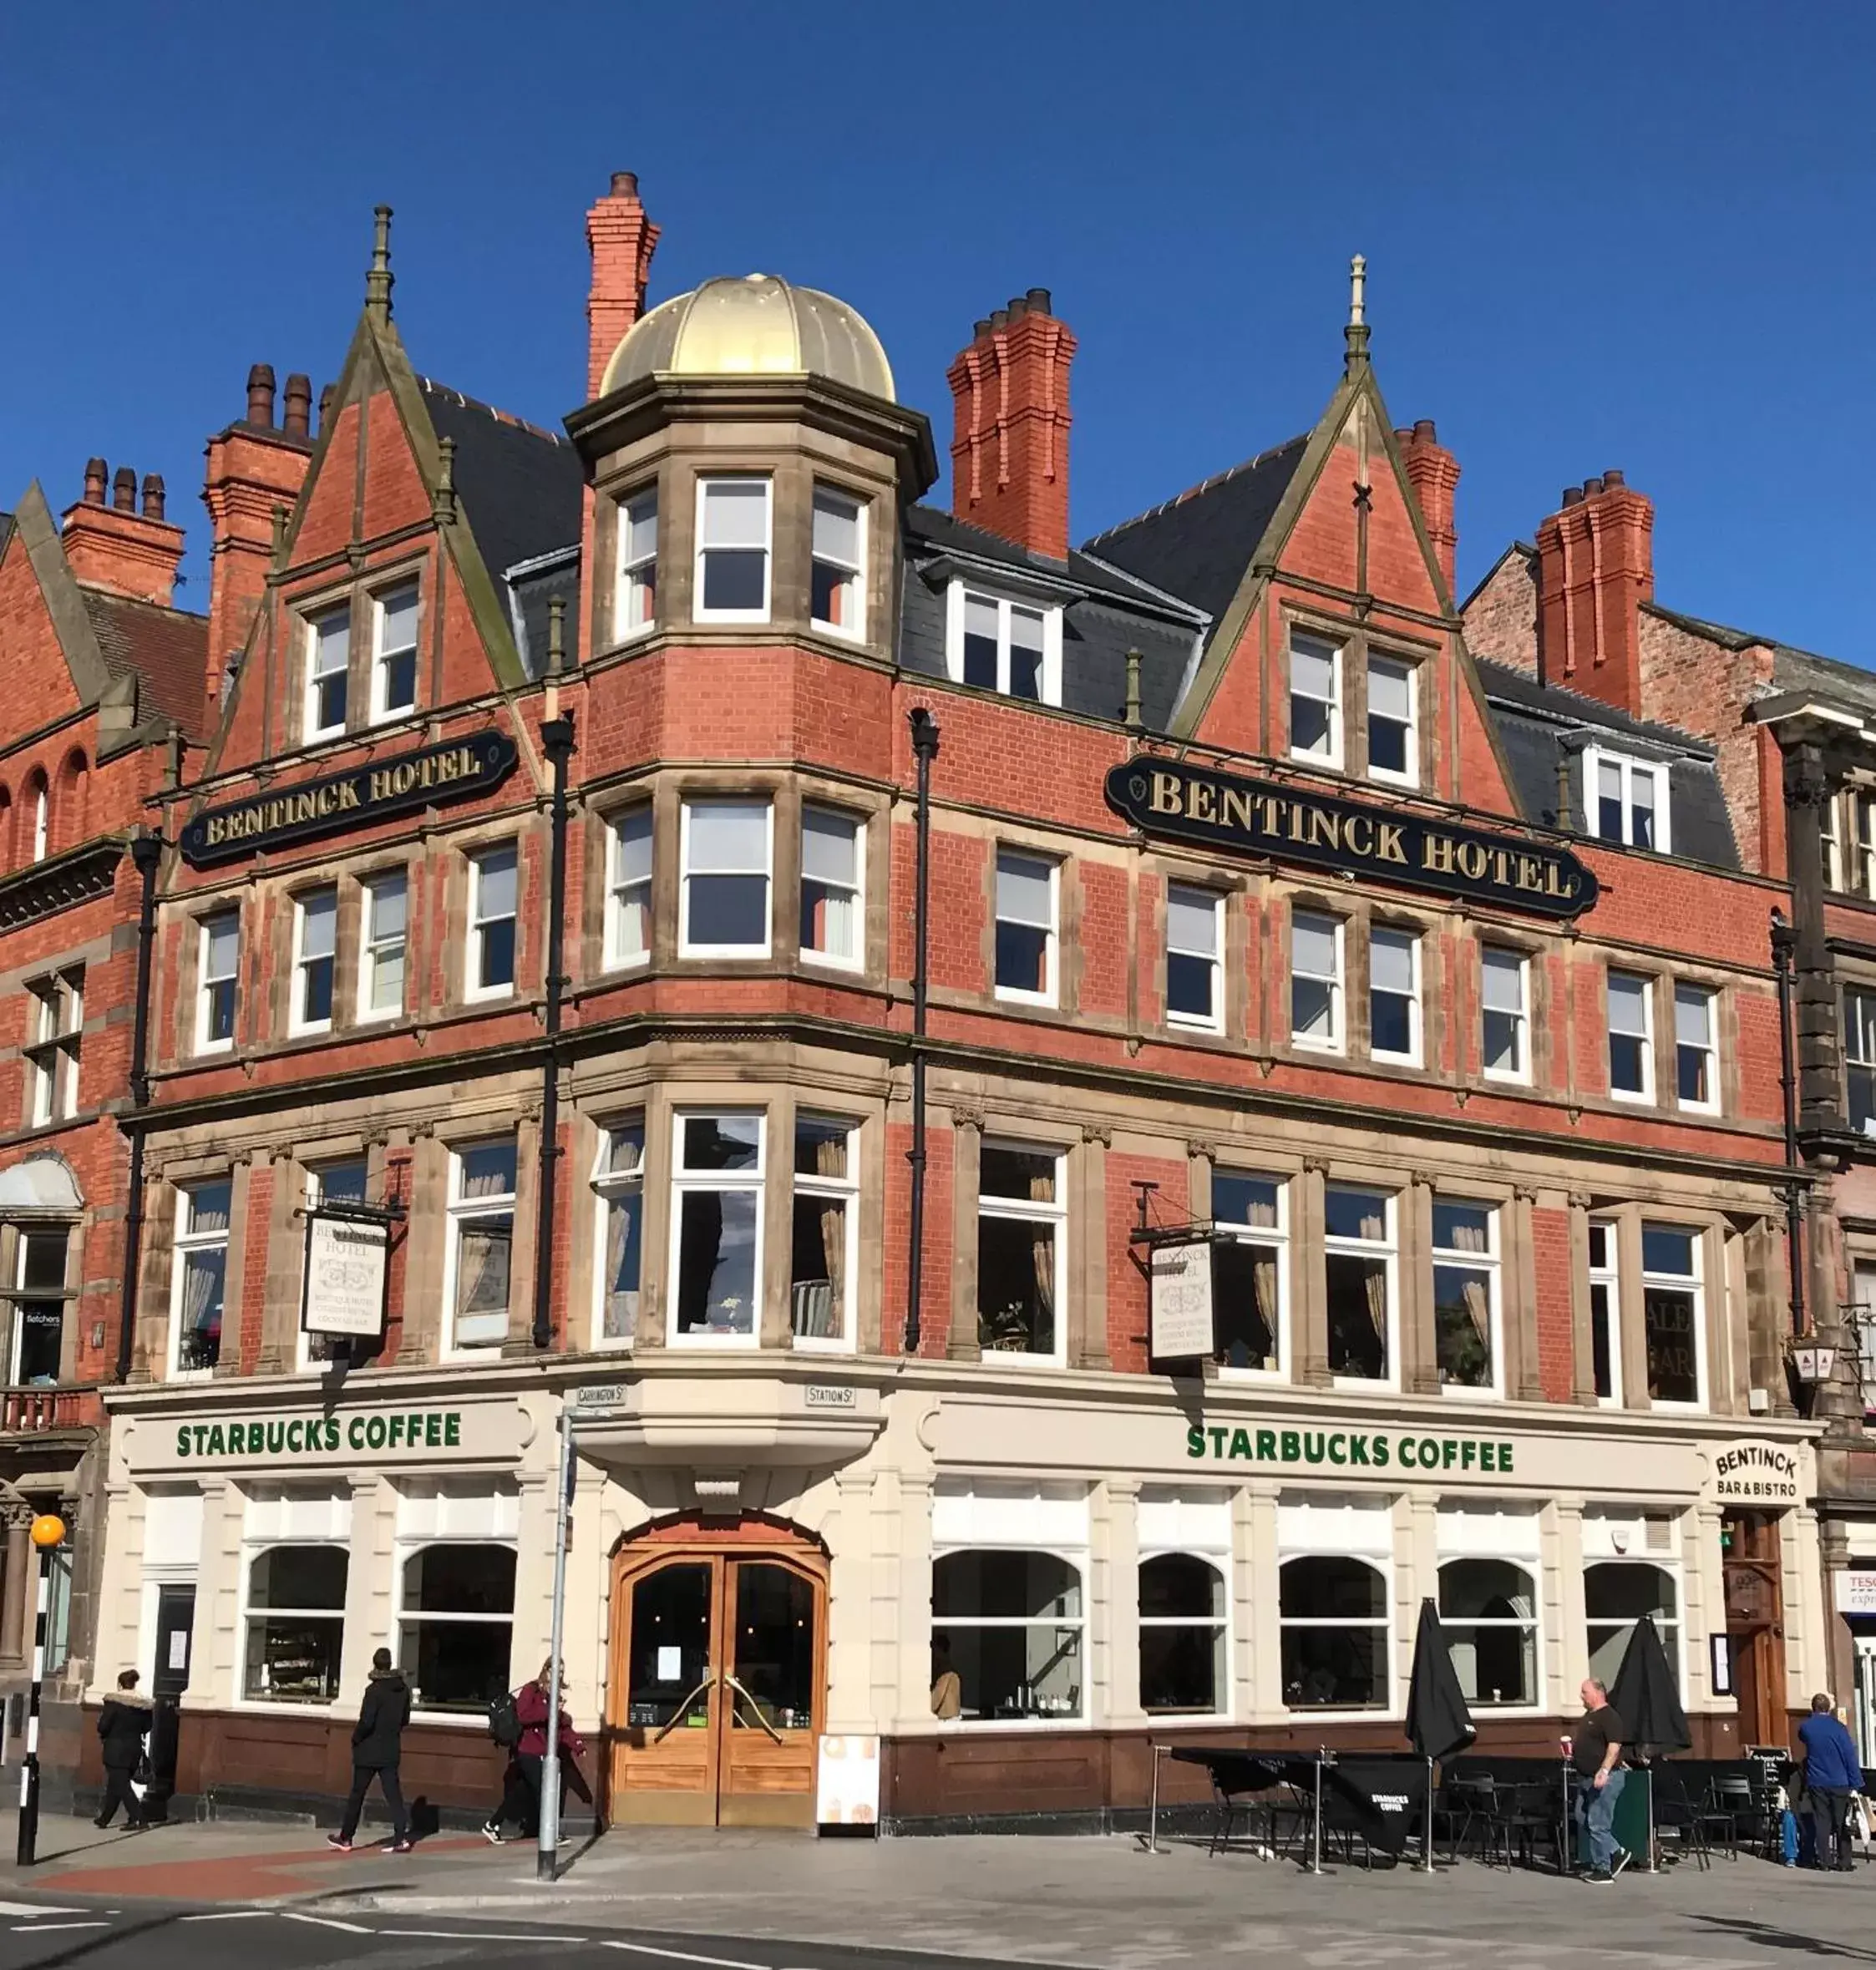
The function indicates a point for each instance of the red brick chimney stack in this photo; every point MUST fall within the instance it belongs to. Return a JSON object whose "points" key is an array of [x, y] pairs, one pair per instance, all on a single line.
{"points": [[1595, 567], [1009, 447], [1433, 473], [622, 240], [253, 466], [117, 547]]}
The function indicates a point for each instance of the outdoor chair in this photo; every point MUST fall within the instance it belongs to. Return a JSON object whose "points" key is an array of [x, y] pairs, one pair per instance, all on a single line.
{"points": [[1530, 1814], [1242, 1791], [1468, 1805], [1679, 1815], [1733, 1804]]}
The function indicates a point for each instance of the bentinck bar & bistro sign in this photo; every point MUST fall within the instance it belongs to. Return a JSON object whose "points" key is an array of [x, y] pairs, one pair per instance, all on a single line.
{"points": [[1405, 850], [311, 808]]}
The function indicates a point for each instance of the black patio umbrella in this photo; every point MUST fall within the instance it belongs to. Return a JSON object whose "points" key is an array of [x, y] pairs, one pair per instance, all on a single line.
{"points": [[1438, 1724], [1644, 1695]]}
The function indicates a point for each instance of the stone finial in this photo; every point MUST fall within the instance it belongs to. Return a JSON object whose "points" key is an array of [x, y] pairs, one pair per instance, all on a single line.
{"points": [[378, 278], [443, 503], [1356, 334]]}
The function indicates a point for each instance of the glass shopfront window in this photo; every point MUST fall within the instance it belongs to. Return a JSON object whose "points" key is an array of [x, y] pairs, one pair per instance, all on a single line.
{"points": [[1616, 1593], [1010, 1624], [1183, 1630], [296, 1624], [1489, 1611], [1332, 1614], [455, 1627]]}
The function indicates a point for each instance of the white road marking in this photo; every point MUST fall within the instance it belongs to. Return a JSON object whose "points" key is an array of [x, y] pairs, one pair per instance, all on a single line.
{"points": [[684, 1956], [483, 1935], [233, 1915], [325, 1922], [40, 1928], [35, 1908]]}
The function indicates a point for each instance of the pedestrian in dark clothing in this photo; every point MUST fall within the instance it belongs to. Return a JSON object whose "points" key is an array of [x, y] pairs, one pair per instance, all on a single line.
{"points": [[530, 1709], [123, 1724], [377, 1747], [1832, 1772], [1595, 1751]]}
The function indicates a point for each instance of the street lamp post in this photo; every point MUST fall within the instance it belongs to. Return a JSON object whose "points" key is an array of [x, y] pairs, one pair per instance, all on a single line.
{"points": [[49, 1535], [546, 1857]]}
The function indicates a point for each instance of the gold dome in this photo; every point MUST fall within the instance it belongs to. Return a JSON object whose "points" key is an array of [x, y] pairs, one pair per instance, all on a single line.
{"points": [[758, 326]]}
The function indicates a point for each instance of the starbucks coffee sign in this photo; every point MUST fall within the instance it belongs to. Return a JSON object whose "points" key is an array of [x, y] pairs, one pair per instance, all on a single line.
{"points": [[1412, 1453], [344, 1436], [1395, 846]]}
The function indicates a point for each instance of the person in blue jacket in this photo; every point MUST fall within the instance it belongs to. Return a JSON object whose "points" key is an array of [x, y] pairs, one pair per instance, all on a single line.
{"points": [[1832, 1772]]}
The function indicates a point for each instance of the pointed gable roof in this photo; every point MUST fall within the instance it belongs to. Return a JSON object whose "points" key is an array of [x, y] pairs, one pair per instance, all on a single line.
{"points": [[71, 623], [167, 650]]}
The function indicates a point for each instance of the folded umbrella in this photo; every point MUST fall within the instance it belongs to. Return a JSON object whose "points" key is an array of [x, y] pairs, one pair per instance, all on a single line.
{"points": [[1438, 1724], [1643, 1696]]}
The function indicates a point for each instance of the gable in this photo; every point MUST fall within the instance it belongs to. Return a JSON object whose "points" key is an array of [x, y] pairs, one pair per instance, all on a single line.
{"points": [[53, 665]]}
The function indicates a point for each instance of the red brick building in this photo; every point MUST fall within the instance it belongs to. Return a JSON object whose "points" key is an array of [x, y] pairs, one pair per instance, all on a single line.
{"points": [[540, 929]]}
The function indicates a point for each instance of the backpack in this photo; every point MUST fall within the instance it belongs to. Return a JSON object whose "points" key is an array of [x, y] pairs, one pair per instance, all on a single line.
{"points": [[505, 1726]]}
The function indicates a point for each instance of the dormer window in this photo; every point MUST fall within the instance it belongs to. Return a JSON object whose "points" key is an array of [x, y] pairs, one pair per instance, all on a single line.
{"points": [[839, 586], [1011, 648], [394, 661], [1393, 734], [1625, 799], [638, 563], [328, 664], [734, 533]]}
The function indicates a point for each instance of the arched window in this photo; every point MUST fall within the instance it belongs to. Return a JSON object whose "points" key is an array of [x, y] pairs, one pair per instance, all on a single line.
{"points": [[1488, 1609], [38, 817], [1333, 1615], [8, 848], [1182, 1635], [74, 787], [296, 1624], [456, 1625], [1010, 1624], [1616, 1593]]}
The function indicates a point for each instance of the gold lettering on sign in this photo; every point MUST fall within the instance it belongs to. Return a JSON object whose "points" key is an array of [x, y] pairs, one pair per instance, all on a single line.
{"points": [[1166, 789], [1235, 810], [1435, 854], [1201, 802], [1471, 859], [1358, 832], [1391, 849]]}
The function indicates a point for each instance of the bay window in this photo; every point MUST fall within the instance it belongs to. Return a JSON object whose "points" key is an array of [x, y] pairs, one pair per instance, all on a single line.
{"points": [[832, 847], [725, 856], [628, 888], [638, 564], [826, 1231], [716, 1237], [732, 549], [1022, 1256], [839, 580], [619, 1185]]}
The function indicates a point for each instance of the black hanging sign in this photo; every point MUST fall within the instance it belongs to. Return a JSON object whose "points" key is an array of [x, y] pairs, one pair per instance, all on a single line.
{"points": [[307, 810], [1404, 850]]}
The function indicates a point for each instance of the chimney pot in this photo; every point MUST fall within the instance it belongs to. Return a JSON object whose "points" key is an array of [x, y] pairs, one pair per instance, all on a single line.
{"points": [[325, 397], [1423, 431], [1403, 439], [124, 489], [999, 317], [1041, 302], [299, 405], [261, 396], [1591, 486], [625, 184], [153, 495], [979, 328], [1613, 480], [1573, 496], [96, 473], [1018, 307]]}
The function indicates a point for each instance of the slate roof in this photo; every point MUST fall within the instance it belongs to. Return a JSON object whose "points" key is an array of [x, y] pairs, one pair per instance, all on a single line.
{"points": [[1198, 545], [520, 486], [1792, 669], [1104, 615], [1543, 731], [166, 648]]}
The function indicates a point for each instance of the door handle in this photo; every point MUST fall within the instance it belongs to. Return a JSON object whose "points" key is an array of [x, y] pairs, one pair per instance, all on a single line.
{"points": [[731, 1683], [683, 1710]]}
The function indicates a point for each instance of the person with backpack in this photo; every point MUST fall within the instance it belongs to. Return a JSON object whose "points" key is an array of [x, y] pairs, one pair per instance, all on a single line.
{"points": [[505, 1728], [376, 1750], [530, 1712], [123, 1724]]}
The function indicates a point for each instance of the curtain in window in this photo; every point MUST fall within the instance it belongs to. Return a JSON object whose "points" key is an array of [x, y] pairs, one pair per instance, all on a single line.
{"points": [[201, 1291], [830, 1160], [1263, 1285], [1374, 1226], [1475, 1236], [1042, 1188]]}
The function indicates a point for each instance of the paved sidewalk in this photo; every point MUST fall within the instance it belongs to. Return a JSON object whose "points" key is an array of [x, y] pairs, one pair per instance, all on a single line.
{"points": [[1102, 1903]]}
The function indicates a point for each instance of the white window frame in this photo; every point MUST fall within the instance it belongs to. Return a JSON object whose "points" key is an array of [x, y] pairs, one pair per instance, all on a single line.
{"points": [[252, 1551], [1051, 944], [1332, 759], [1030, 1211], [371, 947], [382, 709], [1337, 1039], [23, 1296], [1608, 1275], [619, 890], [1410, 673], [183, 1242], [609, 1186], [1643, 1096], [297, 1023], [846, 1189], [632, 615], [685, 948], [1416, 1026], [1863, 1320], [699, 613], [312, 731], [53, 1055], [1277, 1238], [306, 1361], [1695, 1284], [1830, 840], [1383, 1564], [1199, 898], [854, 580], [1710, 999], [403, 1550], [1860, 805], [205, 984], [459, 1211], [1387, 1248], [1520, 1076], [684, 1182], [41, 818], [479, 859], [1077, 1560], [1533, 1570], [1859, 1050], [1490, 1262], [1050, 682], [855, 961], [1673, 1633], [1595, 758], [1220, 1564]]}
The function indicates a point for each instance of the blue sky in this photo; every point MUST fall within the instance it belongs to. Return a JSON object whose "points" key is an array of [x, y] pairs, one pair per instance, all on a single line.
{"points": [[1633, 236]]}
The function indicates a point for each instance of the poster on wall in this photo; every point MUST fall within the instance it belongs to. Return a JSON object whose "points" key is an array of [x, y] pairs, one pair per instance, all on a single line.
{"points": [[1181, 1278], [346, 1270]]}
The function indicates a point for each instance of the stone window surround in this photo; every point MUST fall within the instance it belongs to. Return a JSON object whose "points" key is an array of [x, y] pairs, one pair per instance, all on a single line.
{"points": [[359, 592], [1357, 642]]}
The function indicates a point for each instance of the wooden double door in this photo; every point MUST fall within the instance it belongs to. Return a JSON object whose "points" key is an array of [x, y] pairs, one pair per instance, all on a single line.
{"points": [[1756, 1624], [718, 1670]]}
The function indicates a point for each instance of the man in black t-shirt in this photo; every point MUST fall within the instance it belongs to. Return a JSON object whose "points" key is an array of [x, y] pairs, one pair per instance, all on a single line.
{"points": [[1594, 1753]]}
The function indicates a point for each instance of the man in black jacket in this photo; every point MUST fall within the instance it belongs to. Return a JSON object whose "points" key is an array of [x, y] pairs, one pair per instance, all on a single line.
{"points": [[377, 1746], [123, 1724]]}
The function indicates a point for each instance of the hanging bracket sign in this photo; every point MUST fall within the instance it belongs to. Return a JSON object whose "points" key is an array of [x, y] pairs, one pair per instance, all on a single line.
{"points": [[1179, 1277], [1391, 845], [347, 1274]]}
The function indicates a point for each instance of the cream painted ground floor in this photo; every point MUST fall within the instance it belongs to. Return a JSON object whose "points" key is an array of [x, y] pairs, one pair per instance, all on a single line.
{"points": [[940, 1593]]}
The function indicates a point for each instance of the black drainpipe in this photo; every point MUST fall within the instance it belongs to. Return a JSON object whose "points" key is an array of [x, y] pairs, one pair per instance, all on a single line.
{"points": [[146, 852], [556, 738], [1784, 946], [924, 750]]}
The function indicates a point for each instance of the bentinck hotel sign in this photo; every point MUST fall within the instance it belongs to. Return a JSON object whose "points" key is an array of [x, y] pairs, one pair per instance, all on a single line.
{"points": [[1406, 851], [311, 808]]}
